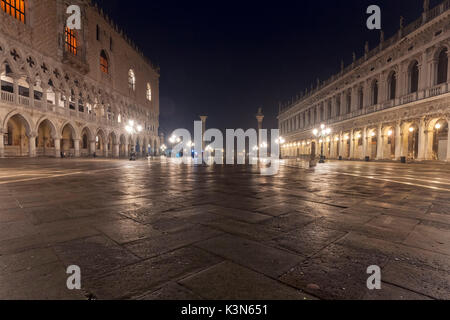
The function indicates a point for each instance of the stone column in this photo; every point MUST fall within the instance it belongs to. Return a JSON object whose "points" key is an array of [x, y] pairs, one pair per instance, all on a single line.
{"points": [[380, 143], [127, 152], [203, 118], [91, 147], [398, 141], [2, 147], [429, 144], [365, 142], [76, 143], [106, 150], [422, 141], [57, 147], [259, 118], [16, 89], [116, 152], [352, 143], [340, 145], [32, 145], [31, 93]]}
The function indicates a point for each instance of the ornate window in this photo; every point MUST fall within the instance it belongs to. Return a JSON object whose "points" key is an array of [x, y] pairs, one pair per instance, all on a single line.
{"points": [[392, 82], [131, 80], [104, 64], [375, 92], [414, 77], [15, 8], [70, 41], [442, 67], [149, 92], [361, 98]]}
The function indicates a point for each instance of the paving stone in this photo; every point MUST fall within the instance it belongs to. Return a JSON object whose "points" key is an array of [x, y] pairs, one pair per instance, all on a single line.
{"points": [[228, 281], [290, 221], [26, 260], [137, 279], [95, 255], [241, 215], [168, 242], [45, 282], [269, 261], [391, 292], [307, 240], [430, 238], [422, 280], [123, 231], [246, 230]]}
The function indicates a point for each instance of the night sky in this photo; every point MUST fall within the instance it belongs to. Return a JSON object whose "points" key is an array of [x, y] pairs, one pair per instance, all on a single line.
{"points": [[225, 59]]}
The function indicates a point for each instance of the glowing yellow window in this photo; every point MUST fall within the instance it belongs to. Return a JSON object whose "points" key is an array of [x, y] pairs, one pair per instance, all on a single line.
{"points": [[104, 66], [15, 8], [70, 41]]}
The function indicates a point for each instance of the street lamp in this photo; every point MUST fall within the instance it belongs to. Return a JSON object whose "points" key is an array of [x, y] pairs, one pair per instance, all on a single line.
{"points": [[322, 134]]}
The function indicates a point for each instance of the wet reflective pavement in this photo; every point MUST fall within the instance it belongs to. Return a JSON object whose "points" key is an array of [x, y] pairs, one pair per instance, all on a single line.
{"points": [[158, 230]]}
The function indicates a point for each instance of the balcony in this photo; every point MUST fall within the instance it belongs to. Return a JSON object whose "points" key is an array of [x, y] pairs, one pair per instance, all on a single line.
{"points": [[77, 61], [50, 108]]}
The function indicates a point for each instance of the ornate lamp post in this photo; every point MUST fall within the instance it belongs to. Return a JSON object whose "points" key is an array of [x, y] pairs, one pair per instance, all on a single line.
{"points": [[322, 134]]}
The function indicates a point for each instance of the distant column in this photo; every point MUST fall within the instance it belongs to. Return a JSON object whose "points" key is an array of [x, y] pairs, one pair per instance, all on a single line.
{"points": [[398, 141], [422, 140], [259, 118], [203, 118], [380, 143]]}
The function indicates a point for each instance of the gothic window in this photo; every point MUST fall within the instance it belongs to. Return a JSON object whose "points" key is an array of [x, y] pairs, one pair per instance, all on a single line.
{"points": [[131, 80], [104, 64], [414, 77], [70, 41], [15, 8], [329, 110], [442, 67]]}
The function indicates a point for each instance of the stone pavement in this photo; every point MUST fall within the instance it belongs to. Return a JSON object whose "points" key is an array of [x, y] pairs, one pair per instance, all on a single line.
{"points": [[157, 230]]}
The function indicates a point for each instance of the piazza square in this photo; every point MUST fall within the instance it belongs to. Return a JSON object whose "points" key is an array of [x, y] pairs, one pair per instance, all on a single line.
{"points": [[113, 179]]}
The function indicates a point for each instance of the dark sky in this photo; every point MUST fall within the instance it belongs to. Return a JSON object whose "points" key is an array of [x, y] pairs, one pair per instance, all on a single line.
{"points": [[225, 59]]}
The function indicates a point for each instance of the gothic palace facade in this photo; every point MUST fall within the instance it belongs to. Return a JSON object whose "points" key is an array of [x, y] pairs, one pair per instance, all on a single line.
{"points": [[394, 102], [74, 91]]}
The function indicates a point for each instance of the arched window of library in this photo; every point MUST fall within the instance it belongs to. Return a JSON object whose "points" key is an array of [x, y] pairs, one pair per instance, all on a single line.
{"points": [[414, 77], [442, 71]]}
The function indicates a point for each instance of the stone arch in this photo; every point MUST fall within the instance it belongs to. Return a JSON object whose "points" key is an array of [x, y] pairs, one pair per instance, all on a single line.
{"points": [[388, 142], [101, 142], [45, 139], [28, 123], [392, 87], [68, 137], [410, 144], [437, 139]]}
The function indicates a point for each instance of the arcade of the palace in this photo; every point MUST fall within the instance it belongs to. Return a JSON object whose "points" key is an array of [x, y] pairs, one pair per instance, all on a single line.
{"points": [[393, 103]]}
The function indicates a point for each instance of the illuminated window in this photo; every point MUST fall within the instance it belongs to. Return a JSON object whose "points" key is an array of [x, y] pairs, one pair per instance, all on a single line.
{"points": [[149, 92], [104, 62], [15, 8], [131, 80], [70, 40]]}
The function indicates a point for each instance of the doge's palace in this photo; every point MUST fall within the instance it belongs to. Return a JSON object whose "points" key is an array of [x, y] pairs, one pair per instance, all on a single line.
{"points": [[392, 103], [78, 92]]}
